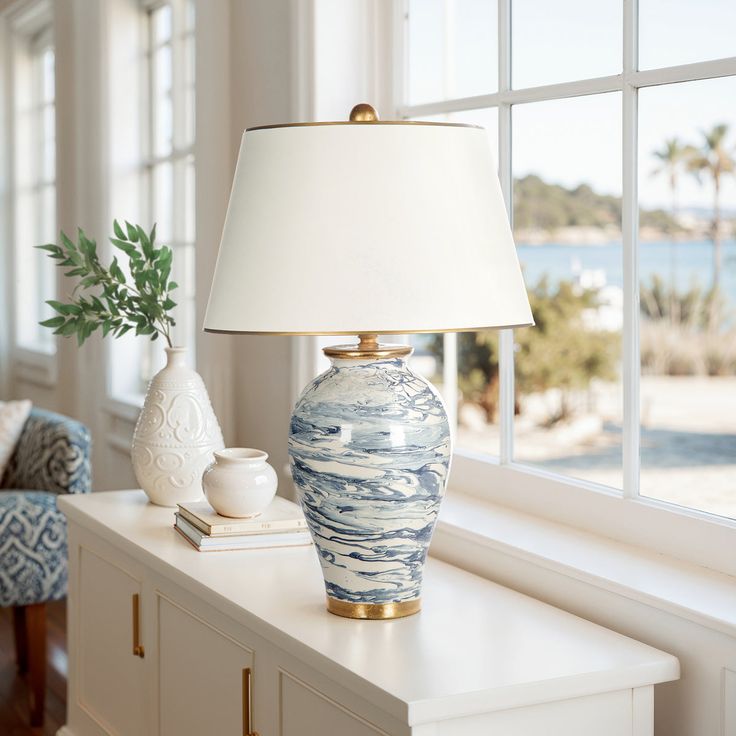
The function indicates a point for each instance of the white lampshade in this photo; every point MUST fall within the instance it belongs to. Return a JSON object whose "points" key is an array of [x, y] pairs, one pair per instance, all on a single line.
{"points": [[366, 227]]}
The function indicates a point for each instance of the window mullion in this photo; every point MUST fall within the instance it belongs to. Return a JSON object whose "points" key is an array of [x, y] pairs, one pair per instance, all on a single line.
{"points": [[506, 337], [630, 238]]}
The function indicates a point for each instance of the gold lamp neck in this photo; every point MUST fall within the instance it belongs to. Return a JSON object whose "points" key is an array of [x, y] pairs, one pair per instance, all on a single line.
{"points": [[368, 348]]}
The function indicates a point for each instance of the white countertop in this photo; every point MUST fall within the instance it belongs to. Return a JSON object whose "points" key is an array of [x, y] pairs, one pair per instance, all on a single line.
{"points": [[475, 646]]}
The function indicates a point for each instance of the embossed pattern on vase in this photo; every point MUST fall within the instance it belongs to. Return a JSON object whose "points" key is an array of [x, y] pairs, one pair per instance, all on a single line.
{"points": [[370, 452], [175, 436]]}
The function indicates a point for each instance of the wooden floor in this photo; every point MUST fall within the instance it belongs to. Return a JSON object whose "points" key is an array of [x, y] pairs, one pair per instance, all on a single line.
{"points": [[13, 690]]}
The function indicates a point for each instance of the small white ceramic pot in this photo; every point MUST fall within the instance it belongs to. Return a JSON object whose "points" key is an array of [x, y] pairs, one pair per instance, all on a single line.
{"points": [[239, 483]]}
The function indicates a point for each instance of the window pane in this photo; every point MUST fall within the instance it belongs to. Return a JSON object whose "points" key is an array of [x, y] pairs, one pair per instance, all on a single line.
{"points": [[163, 202], [189, 111], [47, 73], [471, 397], [683, 31], [687, 145], [184, 332], [189, 15], [567, 226], [161, 18], [48, 143], [453, 49], [565, 40], [189, 213], [161, 102]]}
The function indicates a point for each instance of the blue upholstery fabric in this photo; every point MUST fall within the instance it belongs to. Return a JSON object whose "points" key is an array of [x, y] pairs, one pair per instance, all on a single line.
{"points": [[33, 555], [52, 457]]}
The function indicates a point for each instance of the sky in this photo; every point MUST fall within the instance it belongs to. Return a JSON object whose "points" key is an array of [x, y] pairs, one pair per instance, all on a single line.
{"points": [[579, 140]]}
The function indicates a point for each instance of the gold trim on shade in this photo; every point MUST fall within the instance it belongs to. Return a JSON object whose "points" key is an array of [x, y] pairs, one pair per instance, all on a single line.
{"points": [[364, 123], [373, 611], [286, 333]]}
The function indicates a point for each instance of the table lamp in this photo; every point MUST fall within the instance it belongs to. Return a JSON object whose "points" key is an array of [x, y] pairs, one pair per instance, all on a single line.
{"points": [[367, 227]]}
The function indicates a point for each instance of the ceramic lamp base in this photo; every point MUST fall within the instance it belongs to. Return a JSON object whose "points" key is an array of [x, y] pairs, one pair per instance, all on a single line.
{"points": [[370, 453]]}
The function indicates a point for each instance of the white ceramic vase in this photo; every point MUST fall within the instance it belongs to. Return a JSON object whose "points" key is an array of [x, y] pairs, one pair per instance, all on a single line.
{"points": [[240, 483], [176, 434]]}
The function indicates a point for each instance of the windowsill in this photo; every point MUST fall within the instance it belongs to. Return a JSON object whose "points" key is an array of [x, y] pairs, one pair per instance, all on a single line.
{"points": [[126, 407], [36, 365], [683, 589]]}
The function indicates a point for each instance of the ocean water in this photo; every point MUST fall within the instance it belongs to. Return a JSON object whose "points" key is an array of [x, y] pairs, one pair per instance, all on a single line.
{"points": [[686, 263]]}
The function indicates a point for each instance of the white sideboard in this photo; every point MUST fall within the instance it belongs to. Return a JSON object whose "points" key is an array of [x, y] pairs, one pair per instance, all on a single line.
{"points": [[167, 641]]}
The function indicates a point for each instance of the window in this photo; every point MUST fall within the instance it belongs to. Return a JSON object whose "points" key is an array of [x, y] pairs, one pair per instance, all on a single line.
{"points": [[619, 178], [166, 181], [33, 163]]}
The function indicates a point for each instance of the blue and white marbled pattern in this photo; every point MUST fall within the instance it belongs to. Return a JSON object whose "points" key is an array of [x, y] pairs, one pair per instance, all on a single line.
{"points": [[370, 453]]}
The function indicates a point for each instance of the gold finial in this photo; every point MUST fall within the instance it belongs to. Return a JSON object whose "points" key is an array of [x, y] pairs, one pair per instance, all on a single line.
{"points": [[363, 113]]}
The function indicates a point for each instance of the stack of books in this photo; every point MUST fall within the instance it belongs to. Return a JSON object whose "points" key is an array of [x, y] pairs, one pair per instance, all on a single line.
{"points": [[282, 524]]}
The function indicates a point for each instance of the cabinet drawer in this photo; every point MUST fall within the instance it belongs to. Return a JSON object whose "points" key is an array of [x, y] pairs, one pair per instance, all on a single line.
{"points": [[307, 712]]}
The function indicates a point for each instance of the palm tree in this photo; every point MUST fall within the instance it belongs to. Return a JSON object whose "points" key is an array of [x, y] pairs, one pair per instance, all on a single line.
{"points": [[714, 160], [671, 158]]}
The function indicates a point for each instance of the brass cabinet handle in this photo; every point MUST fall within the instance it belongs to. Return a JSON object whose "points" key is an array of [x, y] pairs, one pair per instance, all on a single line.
{"points": [[138, 650], [247, 695]]}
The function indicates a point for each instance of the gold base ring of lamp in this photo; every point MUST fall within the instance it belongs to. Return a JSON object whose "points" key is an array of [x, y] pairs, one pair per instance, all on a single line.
{"points": [[373, 611]]}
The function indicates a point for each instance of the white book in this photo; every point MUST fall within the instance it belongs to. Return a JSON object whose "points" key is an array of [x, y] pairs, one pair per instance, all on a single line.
{"points": [[281, 515], [205, 543]]}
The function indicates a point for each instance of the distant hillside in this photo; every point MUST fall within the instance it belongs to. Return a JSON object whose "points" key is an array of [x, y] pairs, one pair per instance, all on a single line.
{"points": [[543, 206]]}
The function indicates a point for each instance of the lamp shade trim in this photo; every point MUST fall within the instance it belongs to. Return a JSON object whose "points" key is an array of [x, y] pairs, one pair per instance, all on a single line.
{"points": [[361, 123], [274, 333]]}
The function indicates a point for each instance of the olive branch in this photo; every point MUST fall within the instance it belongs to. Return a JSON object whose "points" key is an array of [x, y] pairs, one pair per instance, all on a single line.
{"points": [[104, 297]]}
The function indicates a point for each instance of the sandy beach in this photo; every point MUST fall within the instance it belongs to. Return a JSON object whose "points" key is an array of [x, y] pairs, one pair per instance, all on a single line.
{"points": [[688, 440]]}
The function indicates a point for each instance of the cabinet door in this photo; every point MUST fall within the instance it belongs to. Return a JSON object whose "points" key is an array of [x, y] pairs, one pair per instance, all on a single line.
{"points": [[307, 712], [201, 675], [111, 682]]}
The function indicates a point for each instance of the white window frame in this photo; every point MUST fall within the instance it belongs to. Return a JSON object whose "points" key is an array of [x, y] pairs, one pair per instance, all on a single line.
{"points": [[179, 153], [28, 28], [123, 398], [681, 532]]}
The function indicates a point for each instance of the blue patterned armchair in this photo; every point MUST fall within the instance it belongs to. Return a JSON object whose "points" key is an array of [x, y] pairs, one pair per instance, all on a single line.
{"points": [[52, 457]]}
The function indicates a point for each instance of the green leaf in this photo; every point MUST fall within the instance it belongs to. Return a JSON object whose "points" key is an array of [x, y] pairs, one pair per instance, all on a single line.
{"points": [[57, 306], [132, 232], [145, 243], [53, 322], [68, 328], [67, 243], [152, 236], [118, 230], [116, 272], [126, 247], [173, 285], [50, 247]]}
